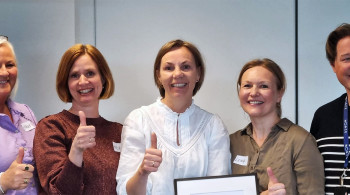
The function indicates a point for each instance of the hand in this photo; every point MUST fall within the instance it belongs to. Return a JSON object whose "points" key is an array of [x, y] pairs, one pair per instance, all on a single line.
{"points": [[85, 137], [16, 177], [274, 187], [152, 159]]}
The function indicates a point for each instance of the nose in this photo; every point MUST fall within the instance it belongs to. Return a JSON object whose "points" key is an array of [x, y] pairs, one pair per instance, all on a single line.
{"points": [[254, 91], [177, 73], [3, 70], [82, 79]]}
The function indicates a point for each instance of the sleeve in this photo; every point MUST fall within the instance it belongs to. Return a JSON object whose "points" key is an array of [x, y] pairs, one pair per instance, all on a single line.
{"points": [[57, 174], [308, 167], [133, 147], [219, 149], [314, 125]]}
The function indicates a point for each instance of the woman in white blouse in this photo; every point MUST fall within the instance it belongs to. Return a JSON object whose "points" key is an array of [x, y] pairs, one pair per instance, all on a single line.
{"points": [[172, 138]]}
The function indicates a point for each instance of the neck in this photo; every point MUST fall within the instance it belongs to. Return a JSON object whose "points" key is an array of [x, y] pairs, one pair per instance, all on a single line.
{"points": [[4, 108], [262, 126], [178, 106], [90, 111]]}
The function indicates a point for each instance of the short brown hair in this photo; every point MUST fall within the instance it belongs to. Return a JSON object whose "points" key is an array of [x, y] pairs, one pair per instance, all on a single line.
{"points": [[273, 68], [170, 46], [66, 63], [340, 32]]}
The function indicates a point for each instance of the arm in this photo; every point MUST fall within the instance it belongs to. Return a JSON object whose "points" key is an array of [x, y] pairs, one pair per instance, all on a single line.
{"points": [[134, 142], [219, 148], [308, 167], [57, 174]]}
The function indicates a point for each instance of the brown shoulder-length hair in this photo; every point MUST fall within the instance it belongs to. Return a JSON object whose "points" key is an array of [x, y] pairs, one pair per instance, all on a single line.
{"points": [[66, 63], [170, 46], [340, 32], [274, 69]]}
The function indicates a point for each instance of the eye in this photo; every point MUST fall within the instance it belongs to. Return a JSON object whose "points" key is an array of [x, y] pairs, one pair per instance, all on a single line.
{"points": [[10, 65], [74, 75], [168, 68], [264, 86], [90, 74], [186, 67], [346, 59], [247, 86]]}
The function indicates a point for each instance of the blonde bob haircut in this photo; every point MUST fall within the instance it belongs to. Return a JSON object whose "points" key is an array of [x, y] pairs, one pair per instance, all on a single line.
{"points": [[173, 45], [66, 63]]}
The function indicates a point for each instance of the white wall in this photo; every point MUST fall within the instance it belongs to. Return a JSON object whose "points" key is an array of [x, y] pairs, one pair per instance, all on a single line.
{"points": [[130, 33], [317, 82]]}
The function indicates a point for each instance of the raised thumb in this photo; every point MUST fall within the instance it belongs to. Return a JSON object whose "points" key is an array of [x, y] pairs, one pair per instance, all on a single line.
{"points": [[153, 140], [82, 118], [20, 155], [272, 177]]}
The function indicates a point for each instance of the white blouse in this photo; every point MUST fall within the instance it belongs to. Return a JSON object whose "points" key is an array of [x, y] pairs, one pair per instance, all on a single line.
{"points": [[203, 150]]}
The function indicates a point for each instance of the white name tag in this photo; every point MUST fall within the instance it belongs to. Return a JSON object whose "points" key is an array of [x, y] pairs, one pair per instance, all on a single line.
{"points": [[241, 160], [116, 147], [27, 126]]}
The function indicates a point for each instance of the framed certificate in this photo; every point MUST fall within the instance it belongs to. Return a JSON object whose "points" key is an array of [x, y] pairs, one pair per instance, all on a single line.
{"points": [[245, 184]]}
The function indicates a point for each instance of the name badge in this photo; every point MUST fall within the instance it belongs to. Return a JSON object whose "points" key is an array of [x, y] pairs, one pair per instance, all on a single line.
{"points": [[241, 160], [27, 126], [116, 147]]}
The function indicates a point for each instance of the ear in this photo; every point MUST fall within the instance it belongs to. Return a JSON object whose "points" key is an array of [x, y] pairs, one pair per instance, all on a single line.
{"points": [[198, 74], [158, 76], [280, 95], [333, 67]]}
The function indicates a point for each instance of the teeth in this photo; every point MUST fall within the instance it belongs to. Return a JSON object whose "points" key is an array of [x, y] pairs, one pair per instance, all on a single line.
{"points": [[2, 82], [179, 85], [255, 102], [85, 91]]}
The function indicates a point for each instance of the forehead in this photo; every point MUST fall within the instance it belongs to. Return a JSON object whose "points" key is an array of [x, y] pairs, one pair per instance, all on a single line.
{"points": [[258, 74], [5, 50], [343, 45], [181, 53], [85, 62]]}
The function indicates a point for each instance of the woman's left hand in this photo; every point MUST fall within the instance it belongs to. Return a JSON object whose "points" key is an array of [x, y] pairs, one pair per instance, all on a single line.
{"points": [[274, 187], [18, 175]]}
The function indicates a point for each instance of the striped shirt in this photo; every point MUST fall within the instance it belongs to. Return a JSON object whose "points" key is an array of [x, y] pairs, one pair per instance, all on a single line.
{"points": [[327, 128]]}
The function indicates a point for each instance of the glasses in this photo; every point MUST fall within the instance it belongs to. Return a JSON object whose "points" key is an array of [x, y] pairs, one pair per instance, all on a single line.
{"points": [[3, 37]]}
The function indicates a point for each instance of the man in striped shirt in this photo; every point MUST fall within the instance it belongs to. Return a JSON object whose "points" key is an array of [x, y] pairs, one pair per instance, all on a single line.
{"points": [[330, 122]]}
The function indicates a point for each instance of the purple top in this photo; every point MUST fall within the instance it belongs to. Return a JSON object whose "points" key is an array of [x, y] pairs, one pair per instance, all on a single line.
{"points": [[14, 135]]}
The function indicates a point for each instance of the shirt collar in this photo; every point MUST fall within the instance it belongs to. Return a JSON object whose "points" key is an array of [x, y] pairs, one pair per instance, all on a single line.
{"points": [[282, 125], [188, 110], [5, 121]]}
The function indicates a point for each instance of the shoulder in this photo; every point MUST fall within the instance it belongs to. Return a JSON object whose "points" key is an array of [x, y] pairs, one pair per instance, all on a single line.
{"points": [[53, 120], [23, 108], [331, 107], [295, 133]]}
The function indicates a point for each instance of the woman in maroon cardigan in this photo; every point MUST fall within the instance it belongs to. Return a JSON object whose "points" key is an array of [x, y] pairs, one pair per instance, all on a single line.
{"points": [[77, 151]]}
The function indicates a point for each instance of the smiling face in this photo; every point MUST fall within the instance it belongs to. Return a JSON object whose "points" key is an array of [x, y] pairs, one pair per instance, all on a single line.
{"points": [[8, 71], [84, 82], [258, 93], [341, 66], [178, 75]]}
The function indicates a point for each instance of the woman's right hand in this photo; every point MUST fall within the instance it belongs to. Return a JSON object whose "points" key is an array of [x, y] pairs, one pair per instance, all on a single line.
{"points": [[84, 139], [152, 159], [274, 187], [18, 175]]}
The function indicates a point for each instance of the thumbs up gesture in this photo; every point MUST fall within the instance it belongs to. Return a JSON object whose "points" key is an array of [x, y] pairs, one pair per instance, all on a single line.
{"points": [[84, 139], [152, 159], [274, 187], [18, 175]]}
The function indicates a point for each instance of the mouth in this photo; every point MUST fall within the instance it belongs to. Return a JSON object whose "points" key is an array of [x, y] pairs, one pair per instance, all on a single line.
{"points": [[85, 91], [3, 82], [179, 85], [255, 102]]}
